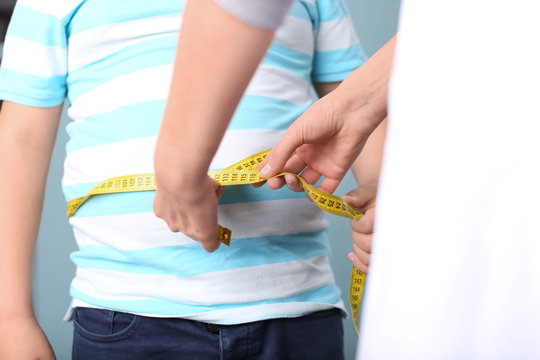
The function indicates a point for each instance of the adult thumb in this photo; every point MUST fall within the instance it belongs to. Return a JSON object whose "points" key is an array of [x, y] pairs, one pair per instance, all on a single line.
{"points": [[280, 153]]}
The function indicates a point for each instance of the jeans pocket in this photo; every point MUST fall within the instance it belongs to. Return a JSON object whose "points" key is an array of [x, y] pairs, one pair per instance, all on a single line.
{"points": [[324, 314], [104, 325]]}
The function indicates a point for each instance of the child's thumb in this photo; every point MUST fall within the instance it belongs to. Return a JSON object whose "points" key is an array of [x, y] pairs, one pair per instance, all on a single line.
{"points": [[359, 197]]}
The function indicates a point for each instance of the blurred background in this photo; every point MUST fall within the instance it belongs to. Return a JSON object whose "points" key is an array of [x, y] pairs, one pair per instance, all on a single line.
{"points": [[375, 22]]}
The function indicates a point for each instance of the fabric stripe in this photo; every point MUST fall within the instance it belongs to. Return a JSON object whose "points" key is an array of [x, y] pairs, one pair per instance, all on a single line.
{"points": [[22, 15], [288, 307], [141, 86], [32, 90], [299, 8], [303, 39], [218, 288], [20, 54], [331, 9], [348, 59], [271, 113], [110, 160], [190, 259], [153, 83], [127, 123], [247, 220], [280, 84], [296, 62], [95, 13], [88, 47], [336, 35], [148, 53], [57, 8], [143, 119]]}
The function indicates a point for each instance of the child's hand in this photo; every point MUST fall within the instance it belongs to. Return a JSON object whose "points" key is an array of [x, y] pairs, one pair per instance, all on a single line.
{"points": [[22, 338], [363, 198], [190, 208]]}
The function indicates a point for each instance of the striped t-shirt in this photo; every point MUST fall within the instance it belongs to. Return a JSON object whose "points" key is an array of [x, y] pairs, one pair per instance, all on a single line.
{"points": [[113, 62]]}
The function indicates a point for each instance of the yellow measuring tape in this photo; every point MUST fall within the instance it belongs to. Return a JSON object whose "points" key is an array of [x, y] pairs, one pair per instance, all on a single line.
{"points": [[241, 173]]}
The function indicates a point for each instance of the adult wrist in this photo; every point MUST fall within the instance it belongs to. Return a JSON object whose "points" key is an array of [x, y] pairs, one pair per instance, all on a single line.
{"points": [[364, 92], [361, 109]]}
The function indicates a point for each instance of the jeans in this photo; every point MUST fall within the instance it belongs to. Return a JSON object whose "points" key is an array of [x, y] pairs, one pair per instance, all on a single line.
{"points": [[103, 334]]}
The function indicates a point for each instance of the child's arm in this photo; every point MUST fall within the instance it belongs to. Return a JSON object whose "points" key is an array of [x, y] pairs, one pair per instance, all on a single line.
{"points": [[366, 169], [211, 72], [27, 137], [367, 166], [325, 88]]}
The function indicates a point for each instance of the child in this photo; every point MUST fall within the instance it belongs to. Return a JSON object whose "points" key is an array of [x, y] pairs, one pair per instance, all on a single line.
{"points": [[140, 289]]}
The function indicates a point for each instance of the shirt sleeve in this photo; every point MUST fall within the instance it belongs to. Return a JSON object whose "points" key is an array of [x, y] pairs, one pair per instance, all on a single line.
{"points": [[34, 63], [265, 14], [338, 51]]}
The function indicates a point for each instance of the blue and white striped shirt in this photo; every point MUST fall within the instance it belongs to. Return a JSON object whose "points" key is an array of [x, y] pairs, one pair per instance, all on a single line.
{"points": [[113, 62]]}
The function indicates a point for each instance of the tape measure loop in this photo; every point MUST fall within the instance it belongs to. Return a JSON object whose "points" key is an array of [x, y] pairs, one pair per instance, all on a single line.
{"points": [[241, 173]]}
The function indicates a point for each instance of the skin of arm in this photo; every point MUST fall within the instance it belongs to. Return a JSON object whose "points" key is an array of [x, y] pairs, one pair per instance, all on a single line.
{"points": [[329, 136], [27, 138], [217, 55], [366, 169]]}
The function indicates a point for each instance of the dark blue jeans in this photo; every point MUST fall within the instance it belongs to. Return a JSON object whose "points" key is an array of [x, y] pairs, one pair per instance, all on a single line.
{"points": [[103, 334]]}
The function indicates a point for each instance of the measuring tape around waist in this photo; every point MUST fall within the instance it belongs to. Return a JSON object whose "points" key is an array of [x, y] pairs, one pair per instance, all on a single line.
{"points": [[242, 172]]}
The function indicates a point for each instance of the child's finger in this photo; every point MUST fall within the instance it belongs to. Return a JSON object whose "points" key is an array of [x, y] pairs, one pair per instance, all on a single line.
{"points": [[362, 241], [362, 256], [365, 224], [357, 263]]}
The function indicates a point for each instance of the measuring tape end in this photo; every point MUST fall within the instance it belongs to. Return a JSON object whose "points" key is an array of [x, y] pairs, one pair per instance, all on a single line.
{"points": [[224, 235]]}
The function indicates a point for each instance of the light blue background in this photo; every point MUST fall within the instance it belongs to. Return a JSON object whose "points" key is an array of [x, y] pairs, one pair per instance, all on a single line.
{"points": [[375, 22]]}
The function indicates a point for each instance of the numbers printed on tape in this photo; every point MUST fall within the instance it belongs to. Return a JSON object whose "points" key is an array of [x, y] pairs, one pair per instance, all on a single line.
{"points": [[356, 289], [241, 173]]}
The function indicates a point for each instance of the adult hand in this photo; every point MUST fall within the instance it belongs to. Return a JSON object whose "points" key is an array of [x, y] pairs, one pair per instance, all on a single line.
{"points": [[22, 338], [363, 198], [324, 140], [328, 137]]}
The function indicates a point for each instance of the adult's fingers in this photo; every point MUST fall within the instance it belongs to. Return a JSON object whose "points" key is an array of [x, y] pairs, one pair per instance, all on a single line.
{"points": [[329, 185], [294, 165], [282, 151], [259, 184], [311, 176]]}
